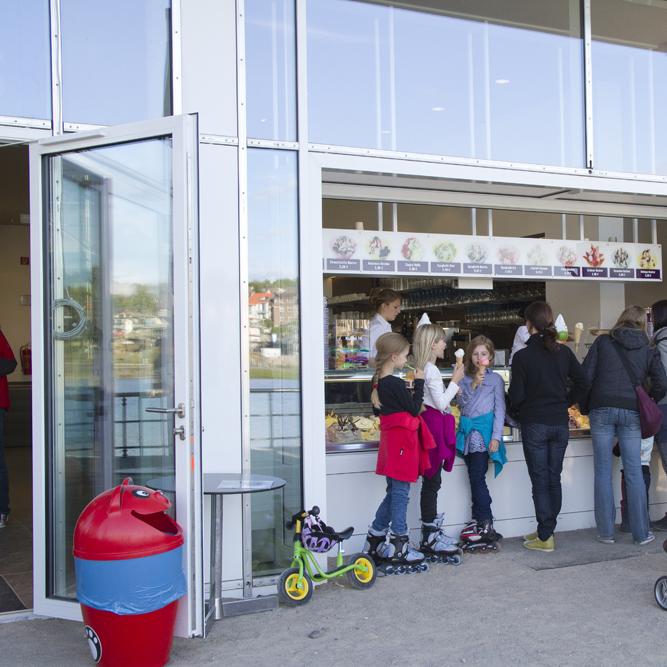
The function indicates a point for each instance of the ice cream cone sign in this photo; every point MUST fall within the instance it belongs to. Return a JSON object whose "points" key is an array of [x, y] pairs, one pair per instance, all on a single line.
{"points": [[459, 354], [578, 330]]}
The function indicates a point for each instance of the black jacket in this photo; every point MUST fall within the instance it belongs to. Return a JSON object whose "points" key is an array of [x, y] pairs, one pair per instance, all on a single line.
{"points": [[610, 384], [544, 384]]}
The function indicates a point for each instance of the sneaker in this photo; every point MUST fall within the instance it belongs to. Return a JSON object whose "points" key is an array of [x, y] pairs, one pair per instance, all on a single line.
{"points": [[605, 540], [3, 520], [537, 544], [649, 538], [530, 537], [660, 524]]}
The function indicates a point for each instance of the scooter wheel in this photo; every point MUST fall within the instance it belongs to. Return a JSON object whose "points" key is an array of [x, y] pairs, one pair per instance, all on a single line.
{"points": [[294, 590], [364, 573], [660, 591]]}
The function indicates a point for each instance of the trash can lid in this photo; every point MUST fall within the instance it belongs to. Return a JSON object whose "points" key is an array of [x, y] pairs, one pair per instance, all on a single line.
{"points": [[128, 521]]}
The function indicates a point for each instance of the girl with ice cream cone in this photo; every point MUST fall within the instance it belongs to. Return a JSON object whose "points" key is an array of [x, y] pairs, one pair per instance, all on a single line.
{"points": [[479, 438], [428, 346]]}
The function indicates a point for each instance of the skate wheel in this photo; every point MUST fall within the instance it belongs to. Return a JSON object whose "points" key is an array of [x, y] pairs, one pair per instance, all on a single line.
{"points": [[294, 590], [423, 567], [363, 574], [660, 591], [455, 560]]}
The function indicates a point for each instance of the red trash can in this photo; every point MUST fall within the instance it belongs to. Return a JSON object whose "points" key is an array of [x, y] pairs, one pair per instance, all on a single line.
{"points": [[128, 558]]}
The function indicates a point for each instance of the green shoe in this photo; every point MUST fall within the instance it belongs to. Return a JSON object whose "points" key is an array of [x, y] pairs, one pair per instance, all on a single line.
{"points": [[530, 537], [541, 545]]}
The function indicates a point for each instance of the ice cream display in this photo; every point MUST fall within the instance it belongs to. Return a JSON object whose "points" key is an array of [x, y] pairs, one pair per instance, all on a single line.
{"points": [[561, 328], [459, 354]]}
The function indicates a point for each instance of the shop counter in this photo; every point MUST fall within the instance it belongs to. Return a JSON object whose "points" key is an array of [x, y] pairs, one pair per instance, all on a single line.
{"points": [[354, 491]]}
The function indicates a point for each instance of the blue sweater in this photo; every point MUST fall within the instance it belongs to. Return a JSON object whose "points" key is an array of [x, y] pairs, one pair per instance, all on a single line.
{"points": [[484, 425]]}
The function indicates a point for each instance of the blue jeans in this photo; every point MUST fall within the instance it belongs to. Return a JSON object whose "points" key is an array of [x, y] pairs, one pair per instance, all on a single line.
{"points": [[4, 475], [478, 465], [544, 450], [661, 438], [607, 424], [393, 509]]}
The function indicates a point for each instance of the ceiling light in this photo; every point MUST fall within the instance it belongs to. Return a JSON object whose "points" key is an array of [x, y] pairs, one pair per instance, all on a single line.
{"points": [[437, 108], [502, 82]]}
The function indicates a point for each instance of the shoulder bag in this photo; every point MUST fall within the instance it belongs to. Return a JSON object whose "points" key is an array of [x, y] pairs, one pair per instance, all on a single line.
{"points": [[650, 415]]}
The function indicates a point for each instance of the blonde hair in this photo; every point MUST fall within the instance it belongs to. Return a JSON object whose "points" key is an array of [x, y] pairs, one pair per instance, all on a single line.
{"points": [[387, 345], [633, 317], [426, 336], [471, 369]]}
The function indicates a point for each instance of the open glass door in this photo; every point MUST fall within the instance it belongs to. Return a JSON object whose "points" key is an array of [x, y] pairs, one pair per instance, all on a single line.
{"points": [[115, 338]]}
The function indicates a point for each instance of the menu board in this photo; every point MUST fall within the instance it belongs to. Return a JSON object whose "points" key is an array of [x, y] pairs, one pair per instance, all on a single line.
{"points": [[391, 253]]}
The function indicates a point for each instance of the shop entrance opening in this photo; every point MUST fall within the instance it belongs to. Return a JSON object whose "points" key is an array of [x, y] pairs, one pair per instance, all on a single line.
{"points": [[16, 436]]}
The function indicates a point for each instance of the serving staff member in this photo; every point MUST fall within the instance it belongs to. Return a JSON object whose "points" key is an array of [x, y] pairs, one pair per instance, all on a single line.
{"points": [[387, 305]]}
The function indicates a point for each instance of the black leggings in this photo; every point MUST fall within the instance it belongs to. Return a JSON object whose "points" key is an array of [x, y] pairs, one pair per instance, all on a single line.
{"points": [[429, 496]]}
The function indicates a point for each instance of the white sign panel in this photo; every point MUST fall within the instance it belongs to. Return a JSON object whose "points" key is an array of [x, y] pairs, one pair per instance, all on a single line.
{"points": [[391, 253]]}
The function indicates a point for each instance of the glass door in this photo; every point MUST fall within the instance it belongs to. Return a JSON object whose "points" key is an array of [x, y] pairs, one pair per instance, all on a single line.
{"points": [[118, 387]]}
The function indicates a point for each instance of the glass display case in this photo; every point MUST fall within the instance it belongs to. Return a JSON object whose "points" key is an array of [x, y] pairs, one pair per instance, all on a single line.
{"points": [[350, 422]]}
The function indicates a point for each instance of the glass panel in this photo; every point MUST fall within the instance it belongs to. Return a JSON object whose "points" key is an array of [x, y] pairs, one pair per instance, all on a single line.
{"points": [[498, 81], [630, 85], [271, 69], [275, 386], [116, 60], [25, 61], [111, 337]]}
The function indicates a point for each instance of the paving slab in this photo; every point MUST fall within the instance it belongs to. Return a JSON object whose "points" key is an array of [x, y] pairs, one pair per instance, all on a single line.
{"points": [[585, 604]]}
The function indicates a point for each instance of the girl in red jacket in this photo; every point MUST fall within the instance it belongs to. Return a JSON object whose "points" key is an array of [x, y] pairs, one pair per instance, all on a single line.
{"points": [[402, 455]]}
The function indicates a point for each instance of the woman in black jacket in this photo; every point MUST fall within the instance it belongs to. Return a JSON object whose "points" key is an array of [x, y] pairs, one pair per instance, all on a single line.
{"points": [[546, 380], [614, 413]]}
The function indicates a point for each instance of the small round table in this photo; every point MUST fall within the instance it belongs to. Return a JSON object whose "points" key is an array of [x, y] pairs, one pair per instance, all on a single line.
{"points": [[218, 485]]}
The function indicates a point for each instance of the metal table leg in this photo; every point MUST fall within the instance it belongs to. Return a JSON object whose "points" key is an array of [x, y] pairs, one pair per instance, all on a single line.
{"points": [[214, 611]]}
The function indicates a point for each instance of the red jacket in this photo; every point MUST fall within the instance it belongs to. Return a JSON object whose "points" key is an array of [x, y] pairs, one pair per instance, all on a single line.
{"points": [[404, 444], [5, 353]]}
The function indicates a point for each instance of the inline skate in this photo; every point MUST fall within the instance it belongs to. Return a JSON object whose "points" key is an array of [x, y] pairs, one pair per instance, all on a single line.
{"points": [[480, 537], [395, 556], [437, 546]]}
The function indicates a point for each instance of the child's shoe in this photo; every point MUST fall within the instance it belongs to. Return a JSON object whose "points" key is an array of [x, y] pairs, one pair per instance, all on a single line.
{"points": [[537, 544], [470, 532]]}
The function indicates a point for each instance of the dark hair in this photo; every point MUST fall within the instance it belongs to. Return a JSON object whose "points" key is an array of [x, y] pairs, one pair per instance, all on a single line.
{"points": [[380, 295], [540, 315], [659, 314]]}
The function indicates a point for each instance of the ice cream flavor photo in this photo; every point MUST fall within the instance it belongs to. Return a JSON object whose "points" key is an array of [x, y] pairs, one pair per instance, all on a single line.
{"points": [[476, 253], [621, 258], [344, 247], [445, 251], [378, 249], [647, 260], [594, 256], [567, 256], [508, 255], [537, 256], [411, 249]]}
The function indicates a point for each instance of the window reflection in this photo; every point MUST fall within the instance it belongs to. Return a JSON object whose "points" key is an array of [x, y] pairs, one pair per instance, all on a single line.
{"points": [[630, 85], [271, 69], [25, 61], [499, 81], [111, 342], [275, 398], [116, 60]]}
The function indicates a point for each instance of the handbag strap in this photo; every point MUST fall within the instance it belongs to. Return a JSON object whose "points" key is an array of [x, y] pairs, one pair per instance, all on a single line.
{"points": [[624, 360]]}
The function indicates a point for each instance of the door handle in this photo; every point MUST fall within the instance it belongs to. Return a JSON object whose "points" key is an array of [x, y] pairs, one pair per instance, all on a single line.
{"points": [[179, 411], [180, 432]]}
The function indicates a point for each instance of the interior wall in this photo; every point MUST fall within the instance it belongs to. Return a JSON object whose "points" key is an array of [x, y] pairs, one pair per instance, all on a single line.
{"points": [[15, 281]]}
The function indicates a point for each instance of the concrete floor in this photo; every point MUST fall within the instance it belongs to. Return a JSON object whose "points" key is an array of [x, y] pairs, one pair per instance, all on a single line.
{"points": [[585, 604]]}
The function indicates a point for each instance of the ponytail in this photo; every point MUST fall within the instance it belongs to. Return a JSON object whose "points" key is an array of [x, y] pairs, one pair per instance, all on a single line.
{"points": [[540, 315]]}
